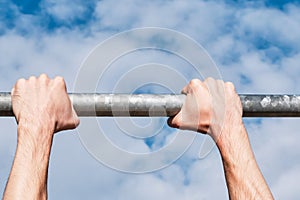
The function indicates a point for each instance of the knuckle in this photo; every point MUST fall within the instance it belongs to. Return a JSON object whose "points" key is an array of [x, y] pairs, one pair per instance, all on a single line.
{"points": [[173, 122], [220, 81], [209, 79], [60, 83], [230, 85], [176, 122], [220, 84], [44, 77], [60, 80], [32, 78], [195, 83], [210, 82], [20, 82], [77, 122]]}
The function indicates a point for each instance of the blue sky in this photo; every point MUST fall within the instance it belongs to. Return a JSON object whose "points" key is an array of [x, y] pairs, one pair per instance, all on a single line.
{"points": [[256, 45]]}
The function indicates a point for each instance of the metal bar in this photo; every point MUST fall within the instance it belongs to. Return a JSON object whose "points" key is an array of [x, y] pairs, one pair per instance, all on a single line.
{"points": [[88, 105]]}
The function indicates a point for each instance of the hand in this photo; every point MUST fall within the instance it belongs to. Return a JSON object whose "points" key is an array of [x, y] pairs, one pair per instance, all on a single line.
{"points": [[41, 107], [215, 108], [209, 106], [43, 102]]}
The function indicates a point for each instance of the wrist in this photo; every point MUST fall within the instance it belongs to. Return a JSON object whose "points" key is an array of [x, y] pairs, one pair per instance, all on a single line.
{"points": [[31, 161], [227, 129], [35, 133], [34, 146], [234, 146], [34, 121]]}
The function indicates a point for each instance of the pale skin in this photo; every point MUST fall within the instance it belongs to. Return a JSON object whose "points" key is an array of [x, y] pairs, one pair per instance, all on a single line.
{"points": [[213, 107], [42, 108]]}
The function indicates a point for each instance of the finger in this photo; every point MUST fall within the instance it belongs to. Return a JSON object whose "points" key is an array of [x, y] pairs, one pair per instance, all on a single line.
{"points": [[20, 83], [75, 117], [169, 121], [230, 87], [32, 79], [175, 121], [194, 83], [43, 78], [185, 90], [12, 91], [60, 81]]}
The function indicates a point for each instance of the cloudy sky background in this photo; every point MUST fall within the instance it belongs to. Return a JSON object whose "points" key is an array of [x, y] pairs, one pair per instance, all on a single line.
{"points": [[256, 45]]}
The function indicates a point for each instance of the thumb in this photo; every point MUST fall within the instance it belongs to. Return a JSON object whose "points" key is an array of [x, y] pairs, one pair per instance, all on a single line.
{"points": [[175, 121]]}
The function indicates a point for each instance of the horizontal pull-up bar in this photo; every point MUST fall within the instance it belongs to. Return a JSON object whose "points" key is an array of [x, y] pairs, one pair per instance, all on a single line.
{"points": [[165, 105]]}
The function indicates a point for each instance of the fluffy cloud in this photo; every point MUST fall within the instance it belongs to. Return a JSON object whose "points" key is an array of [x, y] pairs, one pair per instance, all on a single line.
{"points": [[255, 46]]}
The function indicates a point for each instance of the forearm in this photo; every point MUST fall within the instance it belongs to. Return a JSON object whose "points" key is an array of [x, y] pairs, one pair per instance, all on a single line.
{"points": [[28, 178], [214, 107], [243, 177]]}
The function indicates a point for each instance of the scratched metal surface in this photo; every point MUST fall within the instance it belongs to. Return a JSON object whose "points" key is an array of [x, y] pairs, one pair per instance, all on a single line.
{"points": [[89, 105], [271, 105], [5, 105], [126, 105]]}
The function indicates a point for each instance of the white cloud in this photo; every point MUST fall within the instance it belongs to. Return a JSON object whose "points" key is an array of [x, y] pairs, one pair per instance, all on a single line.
{"points": [[282, 29], [66, 11], [228, 32], [286, 187]]}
